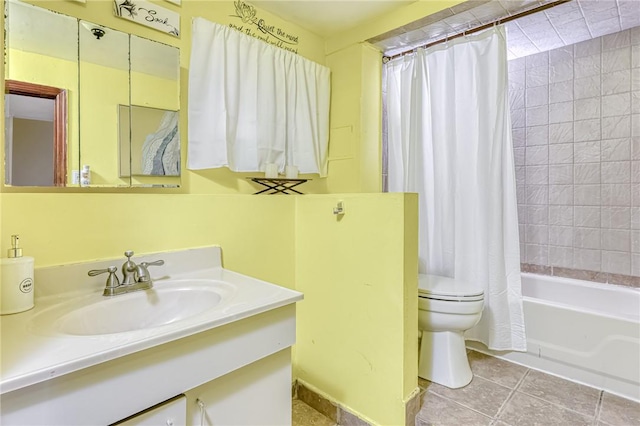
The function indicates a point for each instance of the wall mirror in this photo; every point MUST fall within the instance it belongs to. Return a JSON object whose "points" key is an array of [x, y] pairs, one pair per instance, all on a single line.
{"points": [[101, 97], [41, 104]]}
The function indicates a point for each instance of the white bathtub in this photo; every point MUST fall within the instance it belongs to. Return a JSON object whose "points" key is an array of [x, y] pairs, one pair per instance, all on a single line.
{"points": [[583, 331]]}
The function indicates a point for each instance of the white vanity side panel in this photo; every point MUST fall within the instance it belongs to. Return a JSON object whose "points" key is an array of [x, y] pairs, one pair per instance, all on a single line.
{"points": [[116, 389], [257, 395]]}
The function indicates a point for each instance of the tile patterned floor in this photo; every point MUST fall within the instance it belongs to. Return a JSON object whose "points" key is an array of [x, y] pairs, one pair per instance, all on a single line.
{"points": [[506, 394]]}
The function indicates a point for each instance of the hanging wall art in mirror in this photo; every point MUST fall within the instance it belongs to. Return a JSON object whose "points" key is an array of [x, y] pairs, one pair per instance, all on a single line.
{"points": [[152, 146]]}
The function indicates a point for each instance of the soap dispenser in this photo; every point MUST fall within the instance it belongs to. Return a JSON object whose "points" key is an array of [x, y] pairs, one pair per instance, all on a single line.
{"points": [[16, 280]]}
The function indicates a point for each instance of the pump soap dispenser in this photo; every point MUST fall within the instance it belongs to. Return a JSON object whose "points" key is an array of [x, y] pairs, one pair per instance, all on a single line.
{"points": [[16, 280]]}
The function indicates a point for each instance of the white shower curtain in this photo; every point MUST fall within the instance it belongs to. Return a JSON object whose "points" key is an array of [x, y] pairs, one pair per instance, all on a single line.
{"points": [[449, 139], [251, 103]]}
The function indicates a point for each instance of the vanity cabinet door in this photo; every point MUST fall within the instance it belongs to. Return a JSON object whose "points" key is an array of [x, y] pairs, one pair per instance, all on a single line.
{"points": [[169, 413]]}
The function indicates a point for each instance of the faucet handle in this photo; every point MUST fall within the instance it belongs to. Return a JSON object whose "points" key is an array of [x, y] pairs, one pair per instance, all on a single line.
{"points": [[143, 272], [128, 253], [112, 279]]}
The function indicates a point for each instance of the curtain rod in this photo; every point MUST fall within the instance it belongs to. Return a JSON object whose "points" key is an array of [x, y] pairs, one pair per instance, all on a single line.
{"points": [[537, 9]]}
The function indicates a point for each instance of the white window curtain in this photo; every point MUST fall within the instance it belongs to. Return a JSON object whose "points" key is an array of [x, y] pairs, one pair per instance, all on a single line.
{"points": [[449, 139], [251, 103]]}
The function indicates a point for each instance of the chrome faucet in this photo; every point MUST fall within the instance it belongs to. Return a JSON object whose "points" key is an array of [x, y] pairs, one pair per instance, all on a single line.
{"points": [[134, 277], [128, 269]]}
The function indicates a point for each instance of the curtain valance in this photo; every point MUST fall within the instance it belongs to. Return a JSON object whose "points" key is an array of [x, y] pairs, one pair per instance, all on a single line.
{"points": [[251, 103]]}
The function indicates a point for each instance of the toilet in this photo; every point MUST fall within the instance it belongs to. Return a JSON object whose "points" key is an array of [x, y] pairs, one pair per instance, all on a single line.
{"points": [[446, 309]]}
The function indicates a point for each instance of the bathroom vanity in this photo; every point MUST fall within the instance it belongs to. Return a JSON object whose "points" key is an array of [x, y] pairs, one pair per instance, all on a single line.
{"points": [[205, 346]]}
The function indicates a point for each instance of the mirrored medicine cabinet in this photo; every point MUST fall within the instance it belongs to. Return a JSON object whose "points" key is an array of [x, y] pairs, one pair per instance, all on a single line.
{"points": [[78, 93]]}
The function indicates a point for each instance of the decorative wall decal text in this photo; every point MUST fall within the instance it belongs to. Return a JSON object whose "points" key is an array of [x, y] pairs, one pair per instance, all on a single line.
{"points": [[148, 14], [260, 29]]}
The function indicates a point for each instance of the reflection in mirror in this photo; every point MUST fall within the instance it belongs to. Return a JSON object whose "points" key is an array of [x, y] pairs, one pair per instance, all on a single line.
{"points": [[104, 85], [40, 95], [154, 155], [154, 145], [35, 123], [98, 69]]}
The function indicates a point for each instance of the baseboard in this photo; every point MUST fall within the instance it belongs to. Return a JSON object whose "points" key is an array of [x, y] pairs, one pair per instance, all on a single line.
{"points": [[343, 417], [412, 407], [327, 407]]}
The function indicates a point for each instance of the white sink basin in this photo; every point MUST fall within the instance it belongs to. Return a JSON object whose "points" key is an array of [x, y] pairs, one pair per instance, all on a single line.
{"points": [[167, 303]]}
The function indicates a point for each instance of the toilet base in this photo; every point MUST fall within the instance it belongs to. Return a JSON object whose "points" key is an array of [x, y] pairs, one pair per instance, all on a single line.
{"points": [[443, 359]]}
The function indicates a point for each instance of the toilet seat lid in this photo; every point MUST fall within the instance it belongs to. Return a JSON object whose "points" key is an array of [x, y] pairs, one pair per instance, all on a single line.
{"points": [[445, 288]]}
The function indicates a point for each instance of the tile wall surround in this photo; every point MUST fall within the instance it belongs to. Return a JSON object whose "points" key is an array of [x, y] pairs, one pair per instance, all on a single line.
{"points": [[576, 135], [582, 274]]}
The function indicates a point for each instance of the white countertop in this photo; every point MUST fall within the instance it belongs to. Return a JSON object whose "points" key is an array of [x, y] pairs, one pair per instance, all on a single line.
{"points": [[30, 355]]}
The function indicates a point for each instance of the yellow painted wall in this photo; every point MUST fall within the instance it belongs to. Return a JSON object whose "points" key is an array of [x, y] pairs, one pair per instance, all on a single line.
{"points": [[99, 129], [357, 326], [357, 333], [370, 143], [355, 160], [158, 92], [256, 233], [99, 121]]}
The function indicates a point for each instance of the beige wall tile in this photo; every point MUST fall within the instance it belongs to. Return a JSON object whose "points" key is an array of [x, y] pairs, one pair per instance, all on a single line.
{"points": [[616, 149], [561, 215], [616, 240], [616, 172], [588, 173], [561, 174], [561, 153], [587, 216], [587, 259], [616, 194], [587, 195], [583, 167], [616, 217], [588, 238], [616, 262], [561, 256]]}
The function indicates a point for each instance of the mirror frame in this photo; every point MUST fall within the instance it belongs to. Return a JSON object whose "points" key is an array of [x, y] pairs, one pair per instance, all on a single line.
{"points": [[59, 97]]}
